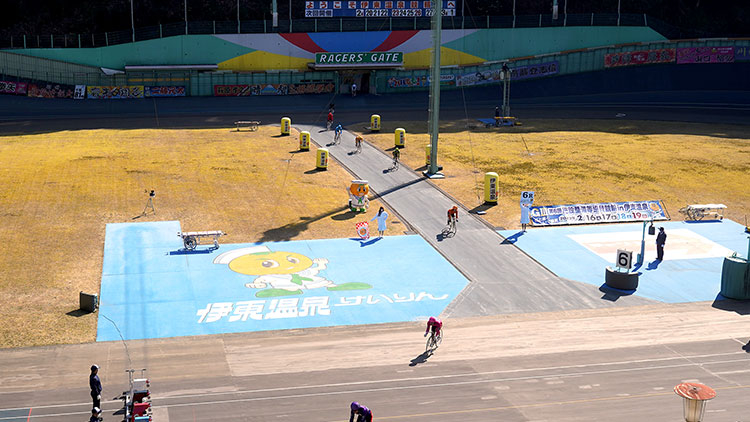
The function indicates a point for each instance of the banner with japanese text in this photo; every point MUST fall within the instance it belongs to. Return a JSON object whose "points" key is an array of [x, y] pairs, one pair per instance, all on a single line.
{"points": [[164, 91], [742, 54], [114, 92], [273, 89], [705, 55], [608, 212], [516, 73], [418, 81], [631, 58], [13, 88], [51, 91]]}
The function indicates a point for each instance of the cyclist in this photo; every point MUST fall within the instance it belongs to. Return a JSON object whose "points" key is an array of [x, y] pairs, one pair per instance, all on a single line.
{"points": [[435, 324], [453, 216], [358, 142], [329, 121], [363, 413], [337, 134], [396, 155]]}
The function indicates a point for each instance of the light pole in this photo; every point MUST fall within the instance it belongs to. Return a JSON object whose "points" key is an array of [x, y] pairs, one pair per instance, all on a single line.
{"points": [[132, 20], [186, 25], [618, 12], [434, 127]]}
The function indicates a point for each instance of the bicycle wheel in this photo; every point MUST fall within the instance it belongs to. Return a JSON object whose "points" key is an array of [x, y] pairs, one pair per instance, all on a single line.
{"points": [[430, 343]]}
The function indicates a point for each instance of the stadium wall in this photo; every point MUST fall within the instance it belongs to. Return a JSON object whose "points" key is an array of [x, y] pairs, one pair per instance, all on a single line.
{"points": [[293, 51]]}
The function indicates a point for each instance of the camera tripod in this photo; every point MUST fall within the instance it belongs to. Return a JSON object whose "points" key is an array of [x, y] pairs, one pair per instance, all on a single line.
{"points": [[149, 204]]}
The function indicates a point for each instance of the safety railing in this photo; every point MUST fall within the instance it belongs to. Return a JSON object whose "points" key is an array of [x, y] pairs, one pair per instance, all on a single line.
{"points": [[347, 24]]}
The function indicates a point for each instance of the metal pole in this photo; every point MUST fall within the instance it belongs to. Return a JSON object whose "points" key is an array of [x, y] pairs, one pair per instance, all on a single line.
{"points": [[618, 12], [186, 25], [437, 23], [514, 13], [132, 22], [274, 14], [290, 15], [238, 17], [565, 12]]}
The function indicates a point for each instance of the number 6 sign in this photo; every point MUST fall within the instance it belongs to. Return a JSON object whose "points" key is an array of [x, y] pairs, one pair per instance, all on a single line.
{"points": [[624, 259], [527, 197]]}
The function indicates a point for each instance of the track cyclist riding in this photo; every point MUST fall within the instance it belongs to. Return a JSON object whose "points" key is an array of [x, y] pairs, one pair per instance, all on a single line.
{"points": [[396, 156], [337, 134], [358, 143], [329, 121], [363, 413], [453, 217], [435, 325]]}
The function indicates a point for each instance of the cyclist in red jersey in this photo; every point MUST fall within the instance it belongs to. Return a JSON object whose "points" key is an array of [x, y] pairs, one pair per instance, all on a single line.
{"points": [[452, 214], [329, 120], [435, 324]]}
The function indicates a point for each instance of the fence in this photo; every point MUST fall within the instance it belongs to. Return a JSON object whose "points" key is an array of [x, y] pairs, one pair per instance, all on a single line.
{"points": [[339, 25], [592, 59]]}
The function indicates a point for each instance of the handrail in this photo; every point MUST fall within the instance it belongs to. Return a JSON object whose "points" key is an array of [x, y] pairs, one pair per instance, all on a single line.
{"points": [[345, 24]]}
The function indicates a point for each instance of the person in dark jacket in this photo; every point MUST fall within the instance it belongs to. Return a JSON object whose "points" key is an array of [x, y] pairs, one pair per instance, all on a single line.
{"points": [[96, 386], [95, 415], [362, 413], [661, 240]]}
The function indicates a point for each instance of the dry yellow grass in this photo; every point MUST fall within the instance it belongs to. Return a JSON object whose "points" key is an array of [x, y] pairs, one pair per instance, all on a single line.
{"points": [[587, 161], [61, 189]]}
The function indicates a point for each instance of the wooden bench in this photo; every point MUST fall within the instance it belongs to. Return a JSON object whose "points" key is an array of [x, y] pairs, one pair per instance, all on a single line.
{"points": [[252, 125]]}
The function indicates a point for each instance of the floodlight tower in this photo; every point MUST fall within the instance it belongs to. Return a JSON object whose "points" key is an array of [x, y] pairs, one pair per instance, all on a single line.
{"points": [[434, 123]]}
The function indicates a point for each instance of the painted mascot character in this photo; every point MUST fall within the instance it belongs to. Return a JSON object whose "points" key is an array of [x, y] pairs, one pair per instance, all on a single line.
{"points": [[281, 273]]}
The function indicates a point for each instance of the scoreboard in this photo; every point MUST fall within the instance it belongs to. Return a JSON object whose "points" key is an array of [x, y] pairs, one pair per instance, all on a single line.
{"points": [[376, 8]]}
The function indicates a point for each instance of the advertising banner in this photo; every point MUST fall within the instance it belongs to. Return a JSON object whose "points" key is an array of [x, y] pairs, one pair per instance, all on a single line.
{"points": [[114, 92], [705, 55], [630, 58], [164, 91], [742, 54], [273, 89], [377, 8], [419, 81], [516, 73], [608, 212], [50, 91], [385, 59], [80, 92], [14, 88]]}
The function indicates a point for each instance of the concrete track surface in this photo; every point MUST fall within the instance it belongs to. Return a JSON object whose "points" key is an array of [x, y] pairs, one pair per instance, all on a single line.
{"points": [[615, 364]]}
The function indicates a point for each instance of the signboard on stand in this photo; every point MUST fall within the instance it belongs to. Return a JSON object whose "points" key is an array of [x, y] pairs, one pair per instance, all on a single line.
{"points": [[609, 212]]}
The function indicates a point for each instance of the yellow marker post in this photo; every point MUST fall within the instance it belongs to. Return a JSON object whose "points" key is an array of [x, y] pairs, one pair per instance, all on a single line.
{"points": [[375, 123], [400, 138], [304, 141], [490, 187], [321, 163], [286, 125], [427, 152]]}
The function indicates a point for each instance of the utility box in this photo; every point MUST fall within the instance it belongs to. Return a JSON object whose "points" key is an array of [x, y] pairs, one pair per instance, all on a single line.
{"points": [[735, 278], [88, 302]]}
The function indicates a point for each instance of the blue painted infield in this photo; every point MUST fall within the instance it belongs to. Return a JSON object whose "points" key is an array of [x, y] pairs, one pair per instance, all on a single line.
{"points": [[690, 272], [151, 288]]}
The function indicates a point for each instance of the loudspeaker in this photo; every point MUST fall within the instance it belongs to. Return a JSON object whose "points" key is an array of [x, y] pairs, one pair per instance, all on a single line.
{"points": [[88, 302], [651, 230]]}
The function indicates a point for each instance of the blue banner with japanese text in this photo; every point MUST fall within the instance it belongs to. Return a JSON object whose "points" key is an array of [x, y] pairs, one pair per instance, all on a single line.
{"points": [[607, 212]]}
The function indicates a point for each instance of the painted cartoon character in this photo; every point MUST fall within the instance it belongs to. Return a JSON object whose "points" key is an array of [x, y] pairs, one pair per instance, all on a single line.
{"points": [[358, 195], [281, 273]]}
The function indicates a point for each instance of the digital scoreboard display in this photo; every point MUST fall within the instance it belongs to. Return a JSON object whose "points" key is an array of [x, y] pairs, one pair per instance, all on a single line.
{"points": [[376, 9]]}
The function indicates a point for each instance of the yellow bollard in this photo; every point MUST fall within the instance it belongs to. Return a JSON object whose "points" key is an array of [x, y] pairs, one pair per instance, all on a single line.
{"points": [[304, 141], [427, 152], [375, 123], [490, 187], [322, 160], [286, 125], [400, 138]]}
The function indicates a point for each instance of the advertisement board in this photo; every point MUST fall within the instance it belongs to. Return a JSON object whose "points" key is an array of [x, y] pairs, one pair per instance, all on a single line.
{"points": [[631, 58], [608, 212], [418, 81], [14, 88], [273, 89], [377, 8], [516, 73], [164, 91], [114, 92], [51, 91], [364, 59], [705, 55]]}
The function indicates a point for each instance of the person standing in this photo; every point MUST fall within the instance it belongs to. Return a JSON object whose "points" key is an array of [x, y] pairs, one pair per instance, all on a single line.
{"points": [[354, 89], [524, 216], [96, 386], [661, 240], [381, 217], [497, 116]]}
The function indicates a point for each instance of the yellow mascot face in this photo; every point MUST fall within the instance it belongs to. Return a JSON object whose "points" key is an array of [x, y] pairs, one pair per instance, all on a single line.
{"points": [[359, 189], [270, 263]]}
